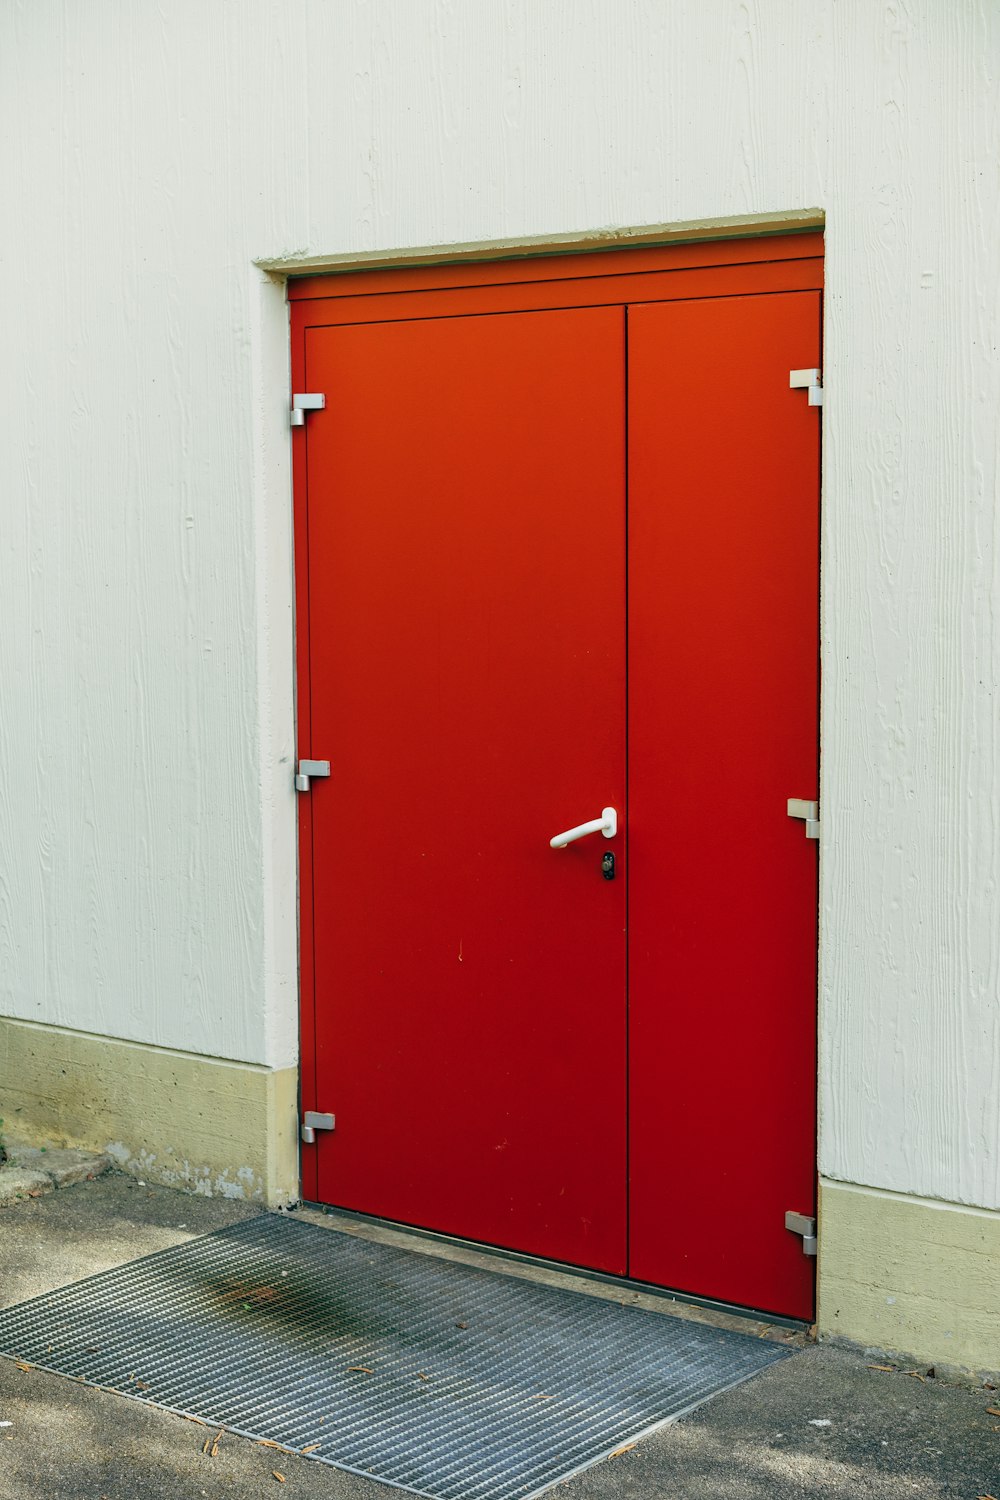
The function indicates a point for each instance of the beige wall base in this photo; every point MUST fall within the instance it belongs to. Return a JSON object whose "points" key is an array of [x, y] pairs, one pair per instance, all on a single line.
{"points": [[212, 1127], [910, 1275]]}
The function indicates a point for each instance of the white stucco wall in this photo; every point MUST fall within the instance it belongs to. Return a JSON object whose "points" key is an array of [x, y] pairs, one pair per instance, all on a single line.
{"points": [[153, 153]]}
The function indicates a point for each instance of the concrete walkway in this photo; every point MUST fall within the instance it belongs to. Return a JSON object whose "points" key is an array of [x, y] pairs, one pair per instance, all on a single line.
{"points": [[820, 1425]]}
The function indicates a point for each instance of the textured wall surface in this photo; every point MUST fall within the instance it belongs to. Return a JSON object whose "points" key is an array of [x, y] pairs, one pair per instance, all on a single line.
{"points": [[915, 1276], [153, 153], [223, 1129]]}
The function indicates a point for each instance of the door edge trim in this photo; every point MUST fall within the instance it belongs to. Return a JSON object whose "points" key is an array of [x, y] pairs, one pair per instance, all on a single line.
{"points": [[617, 237]]}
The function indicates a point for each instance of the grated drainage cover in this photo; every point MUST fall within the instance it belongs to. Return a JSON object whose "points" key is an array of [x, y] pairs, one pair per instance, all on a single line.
{"points": [[454, 1382]]}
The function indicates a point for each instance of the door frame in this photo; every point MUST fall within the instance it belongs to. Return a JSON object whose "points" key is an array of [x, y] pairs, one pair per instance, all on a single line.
{"points": [[786, 260]]}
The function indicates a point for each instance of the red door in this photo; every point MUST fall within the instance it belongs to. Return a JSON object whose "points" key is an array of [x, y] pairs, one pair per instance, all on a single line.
{"points": [[466, 635], [469, 615]]}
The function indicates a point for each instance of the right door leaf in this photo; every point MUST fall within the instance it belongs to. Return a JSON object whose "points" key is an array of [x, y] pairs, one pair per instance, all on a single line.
{"points": [[723, 729]]}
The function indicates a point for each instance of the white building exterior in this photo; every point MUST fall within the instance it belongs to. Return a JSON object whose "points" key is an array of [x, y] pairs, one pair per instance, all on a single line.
{"points": [[164, 170]]}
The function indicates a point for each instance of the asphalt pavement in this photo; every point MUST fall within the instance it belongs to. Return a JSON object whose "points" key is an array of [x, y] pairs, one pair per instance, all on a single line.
{"points": [[823, 1423]]}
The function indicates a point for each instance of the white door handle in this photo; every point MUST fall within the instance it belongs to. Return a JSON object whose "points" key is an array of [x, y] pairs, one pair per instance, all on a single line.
{"points": [[607, 824]]}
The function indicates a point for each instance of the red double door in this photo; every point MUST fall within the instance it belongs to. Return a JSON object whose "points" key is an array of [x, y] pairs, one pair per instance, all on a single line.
{"points": [[555, 560]]}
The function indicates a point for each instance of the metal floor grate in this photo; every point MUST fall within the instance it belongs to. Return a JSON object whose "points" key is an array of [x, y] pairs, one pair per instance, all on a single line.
{"points": [[452, 1381]]}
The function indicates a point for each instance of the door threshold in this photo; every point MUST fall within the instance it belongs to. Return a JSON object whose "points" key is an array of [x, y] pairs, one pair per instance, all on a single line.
{"points": [[536, 1267]]}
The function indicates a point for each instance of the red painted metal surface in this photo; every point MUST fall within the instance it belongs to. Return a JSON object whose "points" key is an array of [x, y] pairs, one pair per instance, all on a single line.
{"points": [[723, 695], [466, 534], [591, 291], [709, 256], [461, 616]]}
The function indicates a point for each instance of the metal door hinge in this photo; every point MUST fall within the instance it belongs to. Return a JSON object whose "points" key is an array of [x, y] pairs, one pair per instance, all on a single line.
{"points": [[301, 403], [809, 380], [307, 769], [808, 812], [806, 1227], [311, 1122]]}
